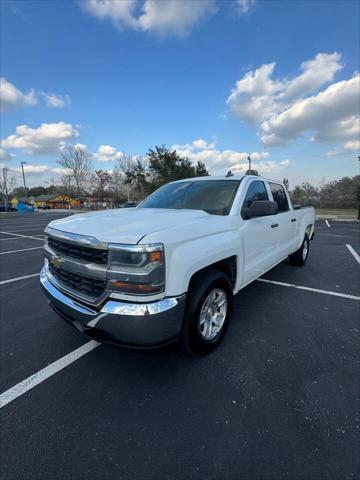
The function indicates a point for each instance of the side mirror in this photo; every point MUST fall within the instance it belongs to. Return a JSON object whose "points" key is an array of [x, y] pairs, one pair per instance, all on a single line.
{"points": [[261, 208]]}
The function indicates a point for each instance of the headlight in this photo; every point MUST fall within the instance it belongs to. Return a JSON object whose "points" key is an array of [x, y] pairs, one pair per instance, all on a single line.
{"points": [[136, 269]]}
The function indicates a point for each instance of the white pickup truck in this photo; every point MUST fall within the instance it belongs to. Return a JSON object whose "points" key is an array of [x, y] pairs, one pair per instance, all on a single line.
{"points": [[169, 268]]}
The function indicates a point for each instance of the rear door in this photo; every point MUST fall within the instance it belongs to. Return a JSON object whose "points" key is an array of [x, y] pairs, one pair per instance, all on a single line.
{"points": [[258, 235], [284, 224]]}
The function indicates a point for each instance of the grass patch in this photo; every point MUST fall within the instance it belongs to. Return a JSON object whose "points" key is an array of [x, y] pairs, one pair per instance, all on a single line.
{"points": [[337, 211]]}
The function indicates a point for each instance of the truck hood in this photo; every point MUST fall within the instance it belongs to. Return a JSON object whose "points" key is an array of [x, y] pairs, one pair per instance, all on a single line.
{"points": [[126, 225]]}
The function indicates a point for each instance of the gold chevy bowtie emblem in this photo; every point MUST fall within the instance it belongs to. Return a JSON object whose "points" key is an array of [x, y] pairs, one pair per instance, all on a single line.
{"points": [[56, 261]]}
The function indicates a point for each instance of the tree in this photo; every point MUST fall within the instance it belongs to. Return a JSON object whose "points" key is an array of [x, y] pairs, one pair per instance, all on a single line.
{"points": [[137, 178], [200, 169], [100, 181], [167, 165], [286, 183], [78, 162], [130, 178], [7, 182]]}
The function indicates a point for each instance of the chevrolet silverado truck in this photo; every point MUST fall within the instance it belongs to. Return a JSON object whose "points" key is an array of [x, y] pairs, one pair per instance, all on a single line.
{"points": [[168, 269]]}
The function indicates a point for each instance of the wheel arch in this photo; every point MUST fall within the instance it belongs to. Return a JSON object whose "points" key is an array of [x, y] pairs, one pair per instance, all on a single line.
{"points": [[228, 266]]}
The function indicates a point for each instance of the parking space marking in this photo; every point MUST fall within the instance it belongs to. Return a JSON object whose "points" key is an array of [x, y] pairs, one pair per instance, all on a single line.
{"points": [[22, 237], [22, 250], [26, 229], [24, 277], [10, 225], [42, 375], [18, 235], [309, 289], [327, 223], [353, 253]]}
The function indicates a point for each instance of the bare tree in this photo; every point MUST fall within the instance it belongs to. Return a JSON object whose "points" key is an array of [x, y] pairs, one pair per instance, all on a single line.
{"points": [[79, 163], [7, 183], [123, 167], [117, 186], [100, 181]]}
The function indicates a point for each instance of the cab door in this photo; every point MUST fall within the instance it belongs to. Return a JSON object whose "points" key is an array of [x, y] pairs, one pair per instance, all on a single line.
{"points": [[285, 230], [258, 234]]}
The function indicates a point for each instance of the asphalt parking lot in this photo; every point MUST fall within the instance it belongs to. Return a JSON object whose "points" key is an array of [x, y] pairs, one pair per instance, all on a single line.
{"points": [[278, 399]]}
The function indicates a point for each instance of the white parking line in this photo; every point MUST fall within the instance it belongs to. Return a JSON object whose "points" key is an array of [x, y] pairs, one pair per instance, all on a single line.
{"points": [[309, 289], [327, 223], [18, 235], [42, 375], [11, 225], [26, 229], [353, 253], [22, 250], [3, 282], [17, 390], [22, 236]]}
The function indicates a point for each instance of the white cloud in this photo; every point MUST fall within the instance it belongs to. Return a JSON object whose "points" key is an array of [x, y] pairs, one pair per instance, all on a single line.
{"points": [[33, 169], [162, 17], [284, 109], [11, 97], [256, 96], [107, 153], [220, 161], [5, 156], [55, 101], [49, 138], [331, 114], [352, 145], [81, 146], [242, 7], [40, 174], [285, 163], [331, 153]]}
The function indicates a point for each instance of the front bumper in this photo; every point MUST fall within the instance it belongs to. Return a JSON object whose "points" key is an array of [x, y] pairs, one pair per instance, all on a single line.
{"points": [[123, 323]]}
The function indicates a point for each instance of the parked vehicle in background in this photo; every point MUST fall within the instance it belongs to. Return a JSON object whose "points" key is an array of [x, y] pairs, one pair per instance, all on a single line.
{"points": [[169, 268], [7, 208], [128, 205]]}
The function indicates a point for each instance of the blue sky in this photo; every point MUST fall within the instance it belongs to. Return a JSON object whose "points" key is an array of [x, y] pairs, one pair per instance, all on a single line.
{"points": [[216, 79]]}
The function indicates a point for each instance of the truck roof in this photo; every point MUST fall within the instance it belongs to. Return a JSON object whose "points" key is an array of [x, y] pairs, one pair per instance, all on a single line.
{"points": [[224, 177]]}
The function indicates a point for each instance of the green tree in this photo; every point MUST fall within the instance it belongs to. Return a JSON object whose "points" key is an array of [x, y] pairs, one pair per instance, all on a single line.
{"points": [[167, 165], [200, 169], [137, 178]]}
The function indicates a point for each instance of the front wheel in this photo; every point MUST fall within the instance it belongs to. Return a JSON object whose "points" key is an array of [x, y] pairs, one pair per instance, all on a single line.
{"points": [[299, 257], [207, 312]]}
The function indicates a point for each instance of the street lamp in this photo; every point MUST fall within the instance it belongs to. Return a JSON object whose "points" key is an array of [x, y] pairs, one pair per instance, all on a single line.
{"points": [[23, 174]]}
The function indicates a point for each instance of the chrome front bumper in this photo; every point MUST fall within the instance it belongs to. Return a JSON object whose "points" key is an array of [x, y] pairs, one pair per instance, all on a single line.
{"points": [[124, 323]]}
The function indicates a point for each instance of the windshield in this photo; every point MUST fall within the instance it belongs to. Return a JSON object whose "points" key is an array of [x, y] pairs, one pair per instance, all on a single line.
{"points": [[213, 196]]}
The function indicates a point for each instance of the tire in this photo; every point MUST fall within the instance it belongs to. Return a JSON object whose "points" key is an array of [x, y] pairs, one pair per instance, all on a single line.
{"points": [[298, 258], [205, 320]]}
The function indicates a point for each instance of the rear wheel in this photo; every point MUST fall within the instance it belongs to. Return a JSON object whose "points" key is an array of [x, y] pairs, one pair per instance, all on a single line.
{"points": [[299, 257], [207, 312]]}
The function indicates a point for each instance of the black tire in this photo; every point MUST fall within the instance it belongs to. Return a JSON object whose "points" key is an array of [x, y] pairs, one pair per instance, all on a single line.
{"points": [[201, 285], [298, 258]]}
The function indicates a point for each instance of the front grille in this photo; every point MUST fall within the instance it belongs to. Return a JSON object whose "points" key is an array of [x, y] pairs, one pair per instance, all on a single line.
{"points": [[93, 255], [84, 285]]}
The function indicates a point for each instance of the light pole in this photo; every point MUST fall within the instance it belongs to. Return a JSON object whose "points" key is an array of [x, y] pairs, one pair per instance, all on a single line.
{"points": [[23, 174], [359, 202], [249, 160]]}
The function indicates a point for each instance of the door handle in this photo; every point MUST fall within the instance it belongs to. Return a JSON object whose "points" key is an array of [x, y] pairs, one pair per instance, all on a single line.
{"points": [[293, 219], [274, 225]]}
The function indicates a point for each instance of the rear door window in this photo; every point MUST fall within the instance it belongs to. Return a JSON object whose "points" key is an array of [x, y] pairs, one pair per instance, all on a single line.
{"points": [[279, 195]]}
